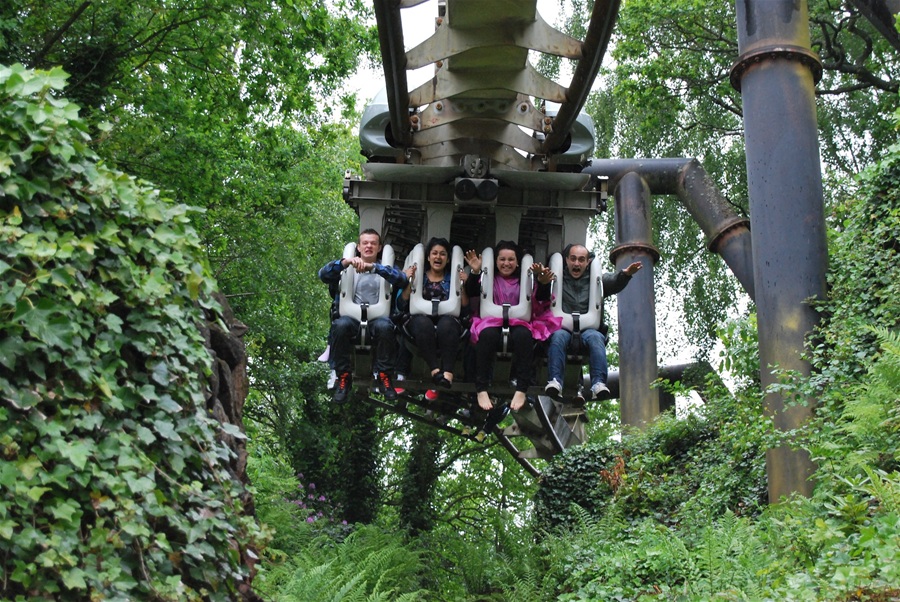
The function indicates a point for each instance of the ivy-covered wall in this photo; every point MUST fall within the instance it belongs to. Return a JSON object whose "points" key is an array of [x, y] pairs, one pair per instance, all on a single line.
{"points": [[116, 481]]}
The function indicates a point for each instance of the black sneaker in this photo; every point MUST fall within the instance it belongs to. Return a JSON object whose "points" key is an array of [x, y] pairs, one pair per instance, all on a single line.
{"points": [[342, 389], [386, 387]]}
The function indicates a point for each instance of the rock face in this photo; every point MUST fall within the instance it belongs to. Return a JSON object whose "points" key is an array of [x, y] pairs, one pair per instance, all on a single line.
{"points": [[228, 387]]}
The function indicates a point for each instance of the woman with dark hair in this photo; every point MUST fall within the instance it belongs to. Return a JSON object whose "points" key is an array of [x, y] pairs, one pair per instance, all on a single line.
{"points": [[436, 336], [486, 331]]}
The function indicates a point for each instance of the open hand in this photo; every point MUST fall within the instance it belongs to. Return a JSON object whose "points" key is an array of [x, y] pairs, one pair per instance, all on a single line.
{"points": [[474, 260], [542, 273], [634, 268]]}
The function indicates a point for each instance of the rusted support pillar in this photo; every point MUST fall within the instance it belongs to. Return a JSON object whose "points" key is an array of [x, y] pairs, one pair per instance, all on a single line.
{"points": [[776, 75], [636, 304], [726, 232]]}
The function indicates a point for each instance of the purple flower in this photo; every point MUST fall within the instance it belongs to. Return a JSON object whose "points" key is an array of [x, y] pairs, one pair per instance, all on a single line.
{"points": [[343, 522], [311, 496], [312, 485], [321, 498], [311, 519]]}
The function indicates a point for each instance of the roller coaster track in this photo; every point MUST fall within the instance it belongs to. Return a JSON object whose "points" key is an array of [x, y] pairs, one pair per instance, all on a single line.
{"points": [[484, 120]]}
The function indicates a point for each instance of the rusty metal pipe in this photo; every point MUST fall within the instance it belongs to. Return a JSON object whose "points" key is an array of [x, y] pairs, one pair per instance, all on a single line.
{"points": [[393, 55], [693, 374], [636, 303], [726, 232], [776, 74]]}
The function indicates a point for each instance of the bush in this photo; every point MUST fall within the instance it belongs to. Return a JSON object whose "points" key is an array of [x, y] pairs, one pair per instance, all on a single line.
{"points": [[113, 481], [675, 470]]}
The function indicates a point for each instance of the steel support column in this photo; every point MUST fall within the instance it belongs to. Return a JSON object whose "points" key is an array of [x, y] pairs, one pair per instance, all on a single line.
{"points": [[776, 74], [636, 304], [726, 232]]}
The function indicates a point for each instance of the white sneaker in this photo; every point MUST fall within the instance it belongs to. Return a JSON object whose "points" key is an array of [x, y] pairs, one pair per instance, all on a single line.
{"points": [[553, 388], [332, 379], [600, 391]]}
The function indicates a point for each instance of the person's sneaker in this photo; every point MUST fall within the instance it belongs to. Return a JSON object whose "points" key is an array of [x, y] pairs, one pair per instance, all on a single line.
{"points": [[399, 379], [600, 391], [579, 400], [332, 380], [553, 388], [344, 380], [431, 395], [386, 387]]}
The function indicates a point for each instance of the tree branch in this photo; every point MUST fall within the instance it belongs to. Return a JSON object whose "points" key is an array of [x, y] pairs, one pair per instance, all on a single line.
{"points": [[39, 57]]}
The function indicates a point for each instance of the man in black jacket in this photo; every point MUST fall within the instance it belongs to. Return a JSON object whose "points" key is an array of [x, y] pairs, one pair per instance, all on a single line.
{"points": [[575, 291]]}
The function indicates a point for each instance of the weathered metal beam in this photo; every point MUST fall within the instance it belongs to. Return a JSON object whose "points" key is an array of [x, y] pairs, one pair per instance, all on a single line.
{"points": [[636, 304], [603, 19], [776, 73], [881, 15], [727, 233], [390, 37]]}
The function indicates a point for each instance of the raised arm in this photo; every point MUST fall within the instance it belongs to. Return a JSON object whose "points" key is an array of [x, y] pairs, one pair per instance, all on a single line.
{"points": [[614, 283]]}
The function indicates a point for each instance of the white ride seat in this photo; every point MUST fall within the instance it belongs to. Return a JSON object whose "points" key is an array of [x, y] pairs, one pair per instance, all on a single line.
{"points": [[363, 312], [521, 310], [577, 322], [452, 306]]}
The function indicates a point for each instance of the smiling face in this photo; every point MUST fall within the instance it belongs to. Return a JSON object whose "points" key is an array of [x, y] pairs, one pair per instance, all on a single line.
{"points": [[507, 262], [438, 259], [369, 246], [577, 261]]}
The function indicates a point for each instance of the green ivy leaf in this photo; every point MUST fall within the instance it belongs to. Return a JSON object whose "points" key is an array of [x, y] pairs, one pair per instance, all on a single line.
{"points": [[74, 579], [166, 430], [35, 493], [7, 528]]}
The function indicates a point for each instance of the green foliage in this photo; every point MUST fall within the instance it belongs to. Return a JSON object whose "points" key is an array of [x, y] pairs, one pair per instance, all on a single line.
{"points": [[864, 282], [113, 480], [193, 54], [369, 565], [419, 479], [659, 535], [678, 470], [227, 106]]}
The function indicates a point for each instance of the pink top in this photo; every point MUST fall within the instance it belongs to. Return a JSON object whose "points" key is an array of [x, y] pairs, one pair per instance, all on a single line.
{"points": [[506, 290]]}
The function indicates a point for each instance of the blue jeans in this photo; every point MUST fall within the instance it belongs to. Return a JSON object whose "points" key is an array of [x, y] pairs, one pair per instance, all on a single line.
{"points": [[593, 341], [380, 335]]}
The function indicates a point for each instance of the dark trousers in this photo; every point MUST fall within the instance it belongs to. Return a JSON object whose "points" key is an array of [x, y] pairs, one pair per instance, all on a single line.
{"points": [[345, 332], [437, 339], [520, 344]]}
